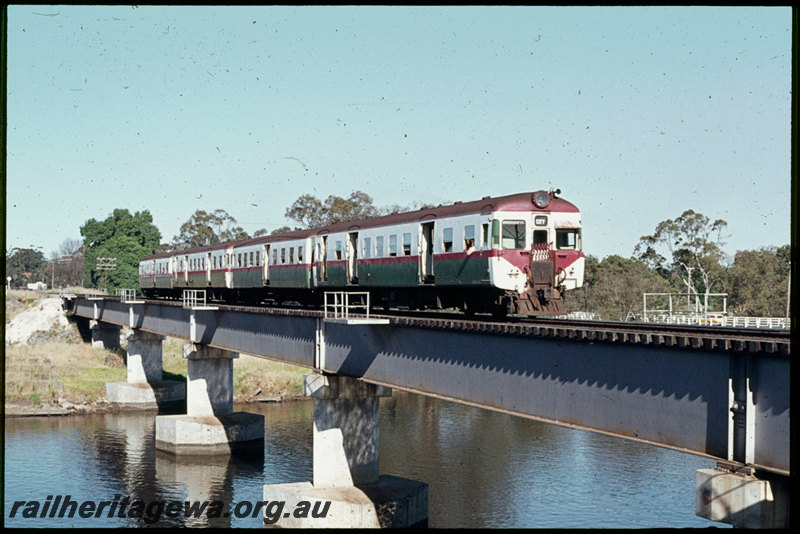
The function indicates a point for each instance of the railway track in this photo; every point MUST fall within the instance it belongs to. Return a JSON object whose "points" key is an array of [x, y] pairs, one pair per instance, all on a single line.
{"points": [[716, 338]]}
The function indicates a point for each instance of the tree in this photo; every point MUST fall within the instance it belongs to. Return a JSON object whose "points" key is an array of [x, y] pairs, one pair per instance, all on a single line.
{"points": [[66, 263], [205, 228], [25, 265], [123, 236], [694, 243], [281, 230], [311, 212], [616, 285], [579, 299], [758, 282]]}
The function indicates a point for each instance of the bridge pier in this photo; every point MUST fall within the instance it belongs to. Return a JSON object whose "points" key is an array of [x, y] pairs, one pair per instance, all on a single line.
{"points": [[105, 335], [743, 500], [346, 445], [145, 388], [210, 426]]}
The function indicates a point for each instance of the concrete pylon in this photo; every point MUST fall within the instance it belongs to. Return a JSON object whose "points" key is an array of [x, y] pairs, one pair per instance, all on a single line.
{"points": [[210, 426], [347, 490], [145, 388], [105, 335]]}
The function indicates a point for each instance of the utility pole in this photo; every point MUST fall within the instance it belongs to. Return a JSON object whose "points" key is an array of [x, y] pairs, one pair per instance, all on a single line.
{"points": [[788, 293], [105, 265]]}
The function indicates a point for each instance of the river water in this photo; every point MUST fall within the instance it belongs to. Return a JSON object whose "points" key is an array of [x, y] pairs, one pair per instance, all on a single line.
{"points": [[484, 469]]}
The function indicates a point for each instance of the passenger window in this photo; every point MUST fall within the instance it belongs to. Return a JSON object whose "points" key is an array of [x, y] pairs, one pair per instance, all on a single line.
{"points": [[568, 239], [513, 234], [539, 237], [393, 245], [469, 238], [367, 250], [379, 247], [283, 256], [291, 254], [447, 240], [299, 254], [495, 234], [338, 250], [407, 244]]}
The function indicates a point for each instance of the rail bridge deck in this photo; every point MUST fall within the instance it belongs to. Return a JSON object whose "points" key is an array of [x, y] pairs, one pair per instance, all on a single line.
{"points": [[719, 392]]}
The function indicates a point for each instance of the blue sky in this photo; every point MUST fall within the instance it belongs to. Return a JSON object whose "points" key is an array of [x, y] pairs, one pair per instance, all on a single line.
{"points": [[636, 114]]}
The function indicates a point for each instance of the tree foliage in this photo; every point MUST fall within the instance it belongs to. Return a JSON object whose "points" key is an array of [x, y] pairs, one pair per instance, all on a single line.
{"points": [[66, 264], [694, 246], [25, 265], [758, 282], [613, 287], [311, 212], [204, 228], [123, 236]]}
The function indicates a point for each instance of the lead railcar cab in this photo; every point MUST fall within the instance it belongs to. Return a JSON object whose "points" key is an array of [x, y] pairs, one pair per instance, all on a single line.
{"points": [[513, 254]]}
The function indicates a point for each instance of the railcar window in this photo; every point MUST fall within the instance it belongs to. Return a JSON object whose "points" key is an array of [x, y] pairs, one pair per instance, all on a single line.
{"points": [[469, 237], [447, 240], [283, 256], [367, 248], [291, 254], [539, 237], [338, 250], [484, 235], [513, 234], [379, 247], [407, 244], [568, 239], [300, 254], [393, 245], [495, 234], [275, 256]]}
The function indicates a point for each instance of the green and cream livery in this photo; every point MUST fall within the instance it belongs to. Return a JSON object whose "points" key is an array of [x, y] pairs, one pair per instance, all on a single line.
{"points": [[512, 254]]}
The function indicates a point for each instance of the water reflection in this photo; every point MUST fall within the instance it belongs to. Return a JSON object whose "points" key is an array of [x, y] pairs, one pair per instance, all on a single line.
{"points": [[484, 469]]}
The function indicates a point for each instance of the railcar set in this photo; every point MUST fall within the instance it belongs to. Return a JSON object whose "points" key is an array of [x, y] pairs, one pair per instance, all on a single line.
{"points": [[515, 254]]}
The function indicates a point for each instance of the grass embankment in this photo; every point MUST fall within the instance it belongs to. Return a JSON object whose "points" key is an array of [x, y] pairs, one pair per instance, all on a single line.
{"points": [[60, 368]]}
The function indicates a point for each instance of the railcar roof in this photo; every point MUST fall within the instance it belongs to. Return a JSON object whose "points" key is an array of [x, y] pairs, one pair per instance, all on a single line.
{"points": [[515, 202]]}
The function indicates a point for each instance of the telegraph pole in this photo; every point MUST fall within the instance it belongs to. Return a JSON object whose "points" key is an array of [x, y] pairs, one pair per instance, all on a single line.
{"points": [[105, 265]]}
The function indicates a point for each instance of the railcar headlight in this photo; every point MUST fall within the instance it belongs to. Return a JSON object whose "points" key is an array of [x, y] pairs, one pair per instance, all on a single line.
{"points": [[541, 199]]}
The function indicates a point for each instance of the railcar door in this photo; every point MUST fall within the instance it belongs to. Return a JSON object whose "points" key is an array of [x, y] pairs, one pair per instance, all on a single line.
{"points": [[426, 253], [322, 259], [265, 261], [352, 258]]}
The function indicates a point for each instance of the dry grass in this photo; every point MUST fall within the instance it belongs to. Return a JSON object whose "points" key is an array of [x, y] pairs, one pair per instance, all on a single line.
{"points": [[249, 373], [80, 368], [84, 370]]}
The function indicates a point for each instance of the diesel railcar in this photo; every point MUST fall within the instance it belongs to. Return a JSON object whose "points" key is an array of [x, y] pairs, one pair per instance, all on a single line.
{"points": [[515, 254]]}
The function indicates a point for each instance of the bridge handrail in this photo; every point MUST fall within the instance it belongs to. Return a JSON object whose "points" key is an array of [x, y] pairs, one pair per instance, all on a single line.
{"points": [[341, 306], [194, 298], [721, 320], [126, 295]]}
